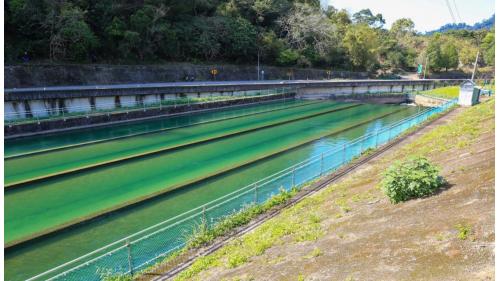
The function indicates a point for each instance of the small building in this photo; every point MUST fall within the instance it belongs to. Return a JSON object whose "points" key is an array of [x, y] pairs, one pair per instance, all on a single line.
{"points": [[469, 94]]}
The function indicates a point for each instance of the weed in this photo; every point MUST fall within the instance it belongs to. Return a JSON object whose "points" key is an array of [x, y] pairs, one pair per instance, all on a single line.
{"points": [[236, 260], [314, 253], [413, 178], [301, 277], [314, 218], [441, 236], [464, 230]]}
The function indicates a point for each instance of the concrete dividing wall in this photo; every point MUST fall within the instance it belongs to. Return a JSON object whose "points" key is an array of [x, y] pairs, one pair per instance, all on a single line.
{"points": [[428, 101]]}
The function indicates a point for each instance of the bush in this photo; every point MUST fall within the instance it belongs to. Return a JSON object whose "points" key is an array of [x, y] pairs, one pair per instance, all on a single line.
{"points": [[413, 178]]}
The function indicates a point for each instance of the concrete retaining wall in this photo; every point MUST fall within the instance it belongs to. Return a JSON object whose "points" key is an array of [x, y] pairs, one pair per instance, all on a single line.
{"points": [[21, 76], [428, 101]]}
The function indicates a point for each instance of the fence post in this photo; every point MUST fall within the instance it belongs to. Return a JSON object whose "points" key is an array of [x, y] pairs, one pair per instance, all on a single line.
{"points": [[293, 178], [255, 194], [129, 251], [376, 139], [321, 169]]}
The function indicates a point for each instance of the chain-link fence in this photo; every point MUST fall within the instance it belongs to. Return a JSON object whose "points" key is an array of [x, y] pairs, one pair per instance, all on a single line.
{"points": [[150, 246], [13, 117]]}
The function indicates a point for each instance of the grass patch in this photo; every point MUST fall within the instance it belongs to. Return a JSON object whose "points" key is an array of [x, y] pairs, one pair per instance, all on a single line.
{"points": [[202, 234], [449, 92], [316, 252], [463, 131]]}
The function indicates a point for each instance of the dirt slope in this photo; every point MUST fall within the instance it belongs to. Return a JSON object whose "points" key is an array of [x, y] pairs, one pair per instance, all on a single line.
{"points": [[359, 235]]}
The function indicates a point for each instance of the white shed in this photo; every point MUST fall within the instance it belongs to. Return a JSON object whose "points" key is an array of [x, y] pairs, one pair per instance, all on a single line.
{"points": [[469, 94]]}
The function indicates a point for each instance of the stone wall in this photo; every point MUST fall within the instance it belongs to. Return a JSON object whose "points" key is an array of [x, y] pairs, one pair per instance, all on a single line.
{"points": [[21, 76]]}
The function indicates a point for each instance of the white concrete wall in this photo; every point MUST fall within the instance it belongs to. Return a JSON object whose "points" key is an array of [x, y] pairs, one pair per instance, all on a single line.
{"points": [[77, 105], [105, 102], [13, 110], [397, 88], [361, 90], [379, 89], [126, 101], [151, 99], [40, 108]]}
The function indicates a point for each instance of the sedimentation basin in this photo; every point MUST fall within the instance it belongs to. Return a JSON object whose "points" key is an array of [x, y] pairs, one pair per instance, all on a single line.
{"points": [[70, 193]]}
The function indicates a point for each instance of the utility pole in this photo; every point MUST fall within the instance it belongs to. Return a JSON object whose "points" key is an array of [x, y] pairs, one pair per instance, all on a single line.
{"points": [[475, 66], [425, 66]]}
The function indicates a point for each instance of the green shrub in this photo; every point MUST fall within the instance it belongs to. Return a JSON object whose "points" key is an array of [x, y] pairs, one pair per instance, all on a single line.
{"points": [[413, 178]]}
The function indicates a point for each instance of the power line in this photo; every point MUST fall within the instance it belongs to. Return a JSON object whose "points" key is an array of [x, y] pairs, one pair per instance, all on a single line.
{"points": [[451, 11], [456, 10]]}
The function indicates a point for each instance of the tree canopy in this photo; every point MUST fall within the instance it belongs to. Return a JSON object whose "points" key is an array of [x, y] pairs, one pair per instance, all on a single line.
{"points": [[280, 32]]}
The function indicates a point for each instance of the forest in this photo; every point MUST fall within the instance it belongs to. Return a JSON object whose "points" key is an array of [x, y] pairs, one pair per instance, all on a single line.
{"points": [[297, 33]]}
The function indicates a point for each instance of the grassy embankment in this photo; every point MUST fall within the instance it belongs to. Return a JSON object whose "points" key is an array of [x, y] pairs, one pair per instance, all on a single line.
{"points": [[303, 222], [449, 92], [452, 92]]}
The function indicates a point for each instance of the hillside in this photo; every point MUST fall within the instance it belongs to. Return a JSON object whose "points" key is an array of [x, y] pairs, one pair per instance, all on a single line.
{"points": [[350, 230], [287, 33], [485, 24]]}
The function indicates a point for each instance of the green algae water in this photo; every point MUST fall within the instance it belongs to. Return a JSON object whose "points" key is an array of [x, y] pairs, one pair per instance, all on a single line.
{"points": [[26, 145], [39, 165], [46, 253]]}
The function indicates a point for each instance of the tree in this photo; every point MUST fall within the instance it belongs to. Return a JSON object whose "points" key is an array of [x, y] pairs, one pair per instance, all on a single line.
{"points": [[239, 39], [270, 46], [433, 53], [288, 57], [308, 26], [365, 16], [403, 27], [449, 56], [361, 43], [488, 48], [71, 37], [467, 53]]}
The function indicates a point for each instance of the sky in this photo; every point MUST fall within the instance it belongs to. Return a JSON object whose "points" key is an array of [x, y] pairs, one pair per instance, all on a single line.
{"points": [[426, 14]]}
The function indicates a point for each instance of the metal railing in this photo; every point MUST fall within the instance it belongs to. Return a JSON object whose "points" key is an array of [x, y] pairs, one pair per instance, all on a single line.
{"points": [[151, 245], [14, 117]]}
